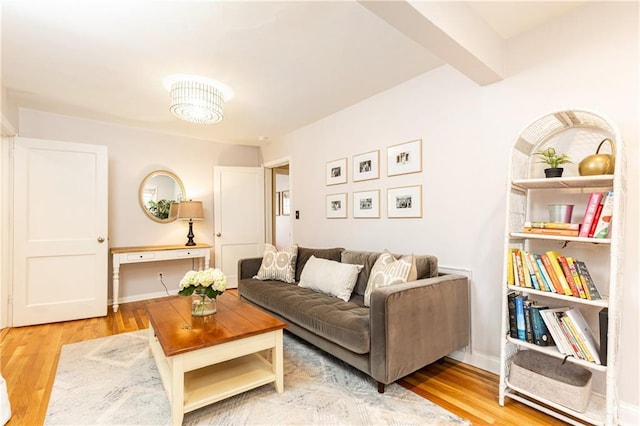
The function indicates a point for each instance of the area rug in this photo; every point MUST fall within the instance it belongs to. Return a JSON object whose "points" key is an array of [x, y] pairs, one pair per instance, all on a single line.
{"points": [[114, 381]]}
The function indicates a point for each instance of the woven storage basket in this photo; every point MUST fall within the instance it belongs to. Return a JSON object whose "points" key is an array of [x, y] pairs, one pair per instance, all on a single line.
{"points": [[566, 384]]}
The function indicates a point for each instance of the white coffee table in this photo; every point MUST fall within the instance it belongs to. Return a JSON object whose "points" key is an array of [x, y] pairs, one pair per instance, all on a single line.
{"points": [[202, 360]]}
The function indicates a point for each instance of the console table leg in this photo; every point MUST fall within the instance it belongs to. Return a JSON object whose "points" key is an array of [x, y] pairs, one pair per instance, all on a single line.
{"points": [[116, 286]]}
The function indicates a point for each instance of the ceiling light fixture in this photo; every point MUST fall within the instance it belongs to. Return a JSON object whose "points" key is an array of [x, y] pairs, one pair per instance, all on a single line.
{"points": [[197, 99]]}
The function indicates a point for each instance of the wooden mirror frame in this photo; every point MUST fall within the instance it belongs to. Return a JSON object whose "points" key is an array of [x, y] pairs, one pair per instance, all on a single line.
{"points": [[171, 214]]}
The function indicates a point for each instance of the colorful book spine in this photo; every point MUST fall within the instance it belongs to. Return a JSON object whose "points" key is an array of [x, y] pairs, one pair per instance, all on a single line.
{"points": [[536, 272], [576, 278], [527, 321], [545, 275], [584, 273], [555, 264], [511, 306], [522, 262], [532, 273], [553, 225], [589, 214], [517, 269], [596, 218], [541, 335], [510, 276], [604, 221], [552, 274], [574, 349], [576, 338], [520, 320], [564, 264], [603, 319], [550, 320], [558, 232]]}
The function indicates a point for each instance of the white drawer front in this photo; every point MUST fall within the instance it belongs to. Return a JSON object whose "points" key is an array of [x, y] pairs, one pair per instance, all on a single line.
{"points": [[190, 253], [141, 256]]}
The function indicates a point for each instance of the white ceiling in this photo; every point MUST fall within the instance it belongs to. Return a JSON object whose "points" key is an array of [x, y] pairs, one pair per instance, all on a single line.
{"points": [[289, 63]]}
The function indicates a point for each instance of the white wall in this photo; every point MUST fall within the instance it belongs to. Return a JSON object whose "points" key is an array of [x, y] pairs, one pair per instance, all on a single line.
{"points": [[467, 133], [133, 153]]}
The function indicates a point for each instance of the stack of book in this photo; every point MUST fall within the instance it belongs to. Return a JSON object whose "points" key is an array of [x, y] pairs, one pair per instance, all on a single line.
{"points": [[550, 272], [597, 216], [552, 228], [563, 327]]}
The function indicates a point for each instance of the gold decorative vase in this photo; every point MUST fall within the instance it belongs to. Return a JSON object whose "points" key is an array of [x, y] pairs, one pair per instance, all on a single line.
{"points": [[599, 164]]}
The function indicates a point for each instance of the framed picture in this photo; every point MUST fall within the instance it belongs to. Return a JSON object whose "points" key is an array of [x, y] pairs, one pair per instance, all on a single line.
{"points": [[277, 204], [366, 204], [404, 202], [286, 205], [337, 172], [404, 158], [337, 206], [366, 166]]}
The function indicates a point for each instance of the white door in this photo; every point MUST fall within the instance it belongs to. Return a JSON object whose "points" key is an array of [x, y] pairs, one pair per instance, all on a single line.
{"points": [[60, 231], [239, 217]]}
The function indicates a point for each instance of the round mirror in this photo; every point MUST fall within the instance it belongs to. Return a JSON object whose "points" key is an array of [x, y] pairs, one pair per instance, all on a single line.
{"points": [[159, 194]]}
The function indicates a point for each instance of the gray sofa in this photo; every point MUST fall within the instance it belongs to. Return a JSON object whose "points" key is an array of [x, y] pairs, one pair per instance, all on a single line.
{"points": [[406, 327]]}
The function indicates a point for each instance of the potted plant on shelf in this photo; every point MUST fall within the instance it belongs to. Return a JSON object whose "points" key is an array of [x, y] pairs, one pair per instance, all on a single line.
{"points": [[550, 157]]}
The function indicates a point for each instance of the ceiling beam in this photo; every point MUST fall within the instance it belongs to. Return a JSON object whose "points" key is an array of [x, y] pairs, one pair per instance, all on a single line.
{"points": [[451, 31]]}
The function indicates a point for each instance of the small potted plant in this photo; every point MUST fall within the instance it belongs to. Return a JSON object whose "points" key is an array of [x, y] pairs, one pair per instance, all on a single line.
{"points": [[550, 157]]}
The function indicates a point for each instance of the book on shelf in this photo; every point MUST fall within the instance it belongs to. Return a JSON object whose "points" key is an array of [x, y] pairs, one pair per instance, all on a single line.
{"points": [[510, 276], [570, 338], [527, 321], [585, 278], [511, 306], [583, 334], [536, 271], [576, 278], [545, 275], [555, 265], [550, 320], [582, 350], [532, 273], [603, 320], [522, 263], [589, 215], [596, 217], [552, 274], [604, 221], [564, 264], [541, 335], [553, 225], [520, 320], [556, 232]]}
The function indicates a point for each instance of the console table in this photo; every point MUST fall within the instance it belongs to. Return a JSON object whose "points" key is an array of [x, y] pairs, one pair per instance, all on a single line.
{"points": [[124, 255]]}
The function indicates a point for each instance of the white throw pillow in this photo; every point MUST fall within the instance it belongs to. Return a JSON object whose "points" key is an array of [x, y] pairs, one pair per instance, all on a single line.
{"points": [[278, 265], [330, 277], [388, 270]]}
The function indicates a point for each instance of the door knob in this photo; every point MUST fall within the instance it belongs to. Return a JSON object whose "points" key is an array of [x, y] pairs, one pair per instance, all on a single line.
{"points": [[218, 235], [100, 240]]}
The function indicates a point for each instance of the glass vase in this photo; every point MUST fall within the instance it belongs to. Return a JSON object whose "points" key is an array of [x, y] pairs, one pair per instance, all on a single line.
{"points": [[202, 305]]}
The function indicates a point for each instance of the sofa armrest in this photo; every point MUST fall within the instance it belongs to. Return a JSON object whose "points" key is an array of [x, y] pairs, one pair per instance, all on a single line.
{"points": [[248, 268], [416, 323]]}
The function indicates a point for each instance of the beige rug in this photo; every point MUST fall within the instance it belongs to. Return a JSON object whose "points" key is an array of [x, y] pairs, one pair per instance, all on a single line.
{"points": [[114, 381]]}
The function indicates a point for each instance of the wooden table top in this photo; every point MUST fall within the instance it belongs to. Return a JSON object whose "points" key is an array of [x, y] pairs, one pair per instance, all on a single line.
{"points": [[116, 250], [179, 332]]}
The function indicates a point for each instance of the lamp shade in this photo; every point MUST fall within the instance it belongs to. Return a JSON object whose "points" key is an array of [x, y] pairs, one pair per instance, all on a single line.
{"points": [[190, 210]]}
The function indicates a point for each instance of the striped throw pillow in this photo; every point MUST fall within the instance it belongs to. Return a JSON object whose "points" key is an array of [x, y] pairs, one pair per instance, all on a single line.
{"points": [[388, 270]]}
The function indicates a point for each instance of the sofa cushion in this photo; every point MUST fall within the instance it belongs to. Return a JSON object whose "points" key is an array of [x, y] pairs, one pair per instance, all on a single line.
{"points": [[304, 254], [365, 258], [344, 323], [330, 277], [278, 265], [388, 271]]}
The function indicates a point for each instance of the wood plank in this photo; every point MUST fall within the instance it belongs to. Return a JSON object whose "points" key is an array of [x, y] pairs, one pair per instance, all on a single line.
{"points": [[467, 391]]}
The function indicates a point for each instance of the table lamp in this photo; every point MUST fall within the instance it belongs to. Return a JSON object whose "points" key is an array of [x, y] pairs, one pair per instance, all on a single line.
{"points": [[190, 210]]}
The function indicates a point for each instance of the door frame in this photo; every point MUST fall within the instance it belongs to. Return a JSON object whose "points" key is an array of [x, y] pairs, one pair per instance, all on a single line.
{"points": [[269, 188], [7, 133]]}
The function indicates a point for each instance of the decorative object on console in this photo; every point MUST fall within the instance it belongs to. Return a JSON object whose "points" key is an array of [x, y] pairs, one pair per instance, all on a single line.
{"points": [[404, 158], [190, 210], [554, 160], [159, 193], [278, 264], [404, 202], [197, 99], [204, 287], [337, 172], [366, 166], [598, 164]]}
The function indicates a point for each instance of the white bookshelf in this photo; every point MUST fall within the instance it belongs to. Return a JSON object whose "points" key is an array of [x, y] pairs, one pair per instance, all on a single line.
{"points": [[578, 133]]}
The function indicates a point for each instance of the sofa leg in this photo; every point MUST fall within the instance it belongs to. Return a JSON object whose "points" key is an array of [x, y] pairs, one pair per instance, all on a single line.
{"points": [[380, 387]]}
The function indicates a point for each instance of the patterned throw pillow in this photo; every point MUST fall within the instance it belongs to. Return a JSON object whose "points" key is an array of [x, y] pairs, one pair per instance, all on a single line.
{"points": [[388, 270], [278, 265]]}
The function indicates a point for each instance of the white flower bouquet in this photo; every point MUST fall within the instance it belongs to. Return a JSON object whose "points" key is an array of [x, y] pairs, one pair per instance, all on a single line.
{"points": [[210, 282]]}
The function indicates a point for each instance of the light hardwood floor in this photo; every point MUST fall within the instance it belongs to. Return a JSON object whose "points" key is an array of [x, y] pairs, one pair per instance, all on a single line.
{"points": [[29, 357]]}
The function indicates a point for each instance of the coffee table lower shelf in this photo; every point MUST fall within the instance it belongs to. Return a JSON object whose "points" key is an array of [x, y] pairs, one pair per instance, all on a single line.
{"points": [[201, 377]]}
